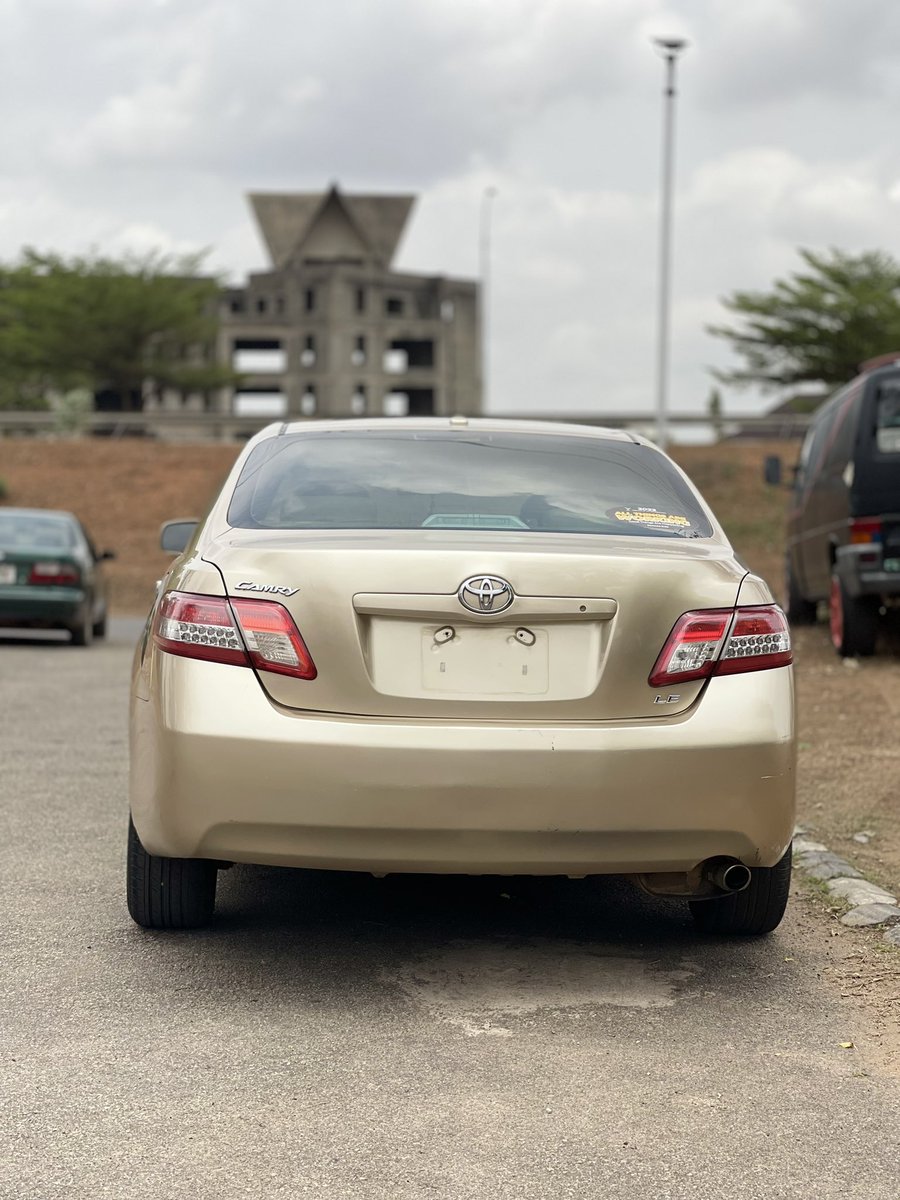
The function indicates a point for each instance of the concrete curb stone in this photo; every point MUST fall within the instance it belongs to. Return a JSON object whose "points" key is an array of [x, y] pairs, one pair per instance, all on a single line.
{"points": [[869, 904], [860, 891], [826, 866], [871, 914]]}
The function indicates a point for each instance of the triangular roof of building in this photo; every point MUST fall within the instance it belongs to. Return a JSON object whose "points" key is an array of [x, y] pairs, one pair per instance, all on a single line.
{"points": [[288, 220]]}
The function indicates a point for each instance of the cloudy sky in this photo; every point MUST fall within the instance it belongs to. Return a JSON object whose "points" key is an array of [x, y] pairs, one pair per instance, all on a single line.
{"points": [[142, 123]]}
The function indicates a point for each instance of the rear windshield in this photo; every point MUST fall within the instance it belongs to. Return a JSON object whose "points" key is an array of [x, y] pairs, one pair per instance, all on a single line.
{"points": [[447, 479], [24, 531], [887, 418]]}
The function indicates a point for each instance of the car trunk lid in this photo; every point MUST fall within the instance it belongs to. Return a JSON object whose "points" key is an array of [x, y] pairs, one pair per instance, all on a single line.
{"points": [[381, 615]]}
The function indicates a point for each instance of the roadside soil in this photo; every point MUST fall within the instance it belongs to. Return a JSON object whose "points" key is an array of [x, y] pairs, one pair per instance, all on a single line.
{"points": [[122, 490], [849, 751]]}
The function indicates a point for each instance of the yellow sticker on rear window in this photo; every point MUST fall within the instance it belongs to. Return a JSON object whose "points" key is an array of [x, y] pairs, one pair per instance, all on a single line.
{"points": [[650, 518]]}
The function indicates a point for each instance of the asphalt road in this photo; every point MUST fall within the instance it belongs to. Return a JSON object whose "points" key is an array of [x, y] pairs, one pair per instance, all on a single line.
{"points": [[343, 1037]]}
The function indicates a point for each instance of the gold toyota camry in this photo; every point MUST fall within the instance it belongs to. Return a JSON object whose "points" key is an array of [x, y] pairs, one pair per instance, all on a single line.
{"points": [[462, 646]]}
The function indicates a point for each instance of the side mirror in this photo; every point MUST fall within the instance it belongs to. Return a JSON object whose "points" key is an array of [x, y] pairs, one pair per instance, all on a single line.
{"points": [[175, 535], [106, 556], [772, 471]]}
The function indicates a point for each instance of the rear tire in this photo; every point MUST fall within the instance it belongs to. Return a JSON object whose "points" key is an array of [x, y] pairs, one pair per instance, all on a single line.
{"points": [[853, 620], [100, 626], [800, 611], [168, 893], [756, 910]]}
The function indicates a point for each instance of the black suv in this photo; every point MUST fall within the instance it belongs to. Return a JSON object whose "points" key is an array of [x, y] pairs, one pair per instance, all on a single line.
{"points": [[844, 520]]}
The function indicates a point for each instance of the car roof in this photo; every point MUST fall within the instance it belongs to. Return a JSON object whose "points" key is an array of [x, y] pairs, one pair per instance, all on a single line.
{"points": [[485, 424], [5, 510]]}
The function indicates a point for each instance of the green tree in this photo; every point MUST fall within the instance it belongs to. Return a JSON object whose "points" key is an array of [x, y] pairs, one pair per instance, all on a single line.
{"points": [[134, 326], [817, 325]]}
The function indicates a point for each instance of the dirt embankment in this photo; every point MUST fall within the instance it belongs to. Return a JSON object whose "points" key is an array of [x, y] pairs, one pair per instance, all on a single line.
{"points": [[124, 490]]}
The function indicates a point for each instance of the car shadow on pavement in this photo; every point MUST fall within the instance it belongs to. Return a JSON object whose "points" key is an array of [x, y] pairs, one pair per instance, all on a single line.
{"points": [[424, 907], [464, 949]]}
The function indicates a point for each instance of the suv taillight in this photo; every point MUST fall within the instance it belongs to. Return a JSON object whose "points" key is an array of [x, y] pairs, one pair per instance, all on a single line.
{"points": [[244, 633], [723, 641], [865, 530]]}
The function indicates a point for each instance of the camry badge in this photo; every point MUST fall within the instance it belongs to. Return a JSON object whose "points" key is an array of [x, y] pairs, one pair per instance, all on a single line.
{"points": [[272, 588], [485, 594]]}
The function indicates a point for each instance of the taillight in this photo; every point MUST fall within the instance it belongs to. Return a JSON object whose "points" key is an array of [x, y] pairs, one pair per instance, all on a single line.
{"points": [[691, 647], [759, 639], [273, 640], [199, 627], [865, 530], [723, 641], [263, 634], [54, 574]]}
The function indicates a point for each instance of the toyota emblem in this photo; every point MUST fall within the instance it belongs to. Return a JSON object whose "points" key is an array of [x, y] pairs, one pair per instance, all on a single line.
{"points": [[485, 594]]}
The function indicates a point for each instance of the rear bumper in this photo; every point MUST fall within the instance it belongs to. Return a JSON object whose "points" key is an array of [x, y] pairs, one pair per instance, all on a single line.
{"points": [[863, 577], [22, 605], [217, 771]]}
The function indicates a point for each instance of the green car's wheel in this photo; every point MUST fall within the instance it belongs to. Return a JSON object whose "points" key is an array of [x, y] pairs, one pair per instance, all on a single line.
{"points": [[82, 633]]}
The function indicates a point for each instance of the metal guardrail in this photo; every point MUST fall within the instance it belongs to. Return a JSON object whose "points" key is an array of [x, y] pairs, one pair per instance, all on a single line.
{"points": [[213, 426]]}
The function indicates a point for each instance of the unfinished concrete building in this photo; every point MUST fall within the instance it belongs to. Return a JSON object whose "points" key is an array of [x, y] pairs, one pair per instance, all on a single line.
{"points": [[330, 330]]}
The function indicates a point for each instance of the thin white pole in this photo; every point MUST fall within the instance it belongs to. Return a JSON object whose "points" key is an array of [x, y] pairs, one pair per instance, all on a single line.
{"points": [[671, 49], [484, 271]]}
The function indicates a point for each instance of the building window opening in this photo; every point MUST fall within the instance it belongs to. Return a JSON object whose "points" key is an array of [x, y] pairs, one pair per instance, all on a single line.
{"points": [[360, 300], [358, 401], [262, 304], [236, 304], [419, 353], [260, 402], [421, 402], [358, 355], [393, 306], [309, 299], [396, 404], [308, 353], [308, 401], [394, 362], [258, 356]]}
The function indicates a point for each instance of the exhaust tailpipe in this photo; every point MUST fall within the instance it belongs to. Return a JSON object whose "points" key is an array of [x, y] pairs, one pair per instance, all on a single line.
{"points": [[728, 876]]}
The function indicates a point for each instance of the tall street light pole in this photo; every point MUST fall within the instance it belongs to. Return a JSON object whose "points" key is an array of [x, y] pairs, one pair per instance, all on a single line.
{"points": [[484, 271], [670, 48]]}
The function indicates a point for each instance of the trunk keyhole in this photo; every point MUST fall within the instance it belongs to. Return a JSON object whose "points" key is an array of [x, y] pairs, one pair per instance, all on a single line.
{"points": [[447, 634], [526, 637]]}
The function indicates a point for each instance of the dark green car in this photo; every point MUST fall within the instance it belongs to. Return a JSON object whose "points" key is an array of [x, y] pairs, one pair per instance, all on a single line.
{"points": [[51, 576]]}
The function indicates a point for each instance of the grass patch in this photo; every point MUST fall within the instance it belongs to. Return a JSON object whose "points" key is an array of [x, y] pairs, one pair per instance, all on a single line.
{"points": [[817, 889]]}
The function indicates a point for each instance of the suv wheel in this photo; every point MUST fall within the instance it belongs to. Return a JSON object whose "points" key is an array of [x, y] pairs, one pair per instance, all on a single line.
{"points": [[853, 620], [800, 611], [756, 910], [168, 893]]}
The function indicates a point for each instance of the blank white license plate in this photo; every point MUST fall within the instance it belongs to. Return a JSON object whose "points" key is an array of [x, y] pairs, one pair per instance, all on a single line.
{"points": [[7, 573], [486, 662]]}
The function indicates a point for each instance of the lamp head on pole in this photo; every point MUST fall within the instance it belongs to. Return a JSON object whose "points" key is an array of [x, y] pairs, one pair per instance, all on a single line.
{"points": [[670, 47]]}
